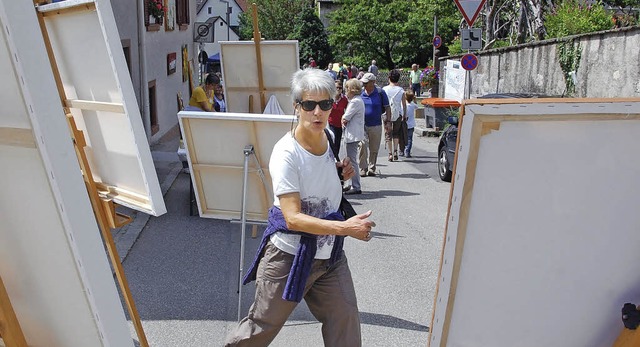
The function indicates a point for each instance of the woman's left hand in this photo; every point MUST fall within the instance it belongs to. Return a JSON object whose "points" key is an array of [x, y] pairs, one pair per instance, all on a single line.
{"points": [[347, 168]]}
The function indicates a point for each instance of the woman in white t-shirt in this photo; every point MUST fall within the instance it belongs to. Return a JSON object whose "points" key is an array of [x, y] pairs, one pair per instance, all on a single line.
{"points": [[301, 255]]}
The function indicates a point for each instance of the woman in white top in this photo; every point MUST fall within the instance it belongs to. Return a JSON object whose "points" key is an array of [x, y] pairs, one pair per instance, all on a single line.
{"points": [[353, 124], [301, 255]]}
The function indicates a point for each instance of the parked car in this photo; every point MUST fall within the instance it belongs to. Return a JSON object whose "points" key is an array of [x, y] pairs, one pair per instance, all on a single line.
{"points": [[449, 137], [447, 149]]}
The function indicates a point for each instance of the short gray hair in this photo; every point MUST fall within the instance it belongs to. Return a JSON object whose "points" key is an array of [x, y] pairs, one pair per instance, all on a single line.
{"points": [[311, 80]]}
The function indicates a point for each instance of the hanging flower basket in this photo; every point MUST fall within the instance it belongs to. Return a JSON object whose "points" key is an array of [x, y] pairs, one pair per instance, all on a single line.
{"points": [[429, 77]]}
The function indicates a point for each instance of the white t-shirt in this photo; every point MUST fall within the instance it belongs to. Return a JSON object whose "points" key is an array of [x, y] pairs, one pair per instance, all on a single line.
{"points": [[411, 114], [395, 94], [293, 169]]}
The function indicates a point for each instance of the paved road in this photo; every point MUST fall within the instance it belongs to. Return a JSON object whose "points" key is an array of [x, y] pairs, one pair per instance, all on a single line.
{"points": [[183, 269]]}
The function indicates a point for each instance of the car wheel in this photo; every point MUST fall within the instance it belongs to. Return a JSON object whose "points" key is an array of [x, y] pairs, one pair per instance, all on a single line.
{"points": [[443, 165]]}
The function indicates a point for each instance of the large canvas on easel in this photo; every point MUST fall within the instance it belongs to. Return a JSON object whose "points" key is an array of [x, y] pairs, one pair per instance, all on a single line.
{"points": [[542, 238], [100, 93], [215, 144], [240, 73], [52, 260]]}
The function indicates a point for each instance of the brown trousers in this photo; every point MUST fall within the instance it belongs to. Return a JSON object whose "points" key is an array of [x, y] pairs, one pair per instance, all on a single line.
{"points": [[329, 294]]}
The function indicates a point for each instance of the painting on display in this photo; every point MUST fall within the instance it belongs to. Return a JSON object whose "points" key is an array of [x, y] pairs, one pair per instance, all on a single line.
{"points": [[185, 63], [170, 15]]}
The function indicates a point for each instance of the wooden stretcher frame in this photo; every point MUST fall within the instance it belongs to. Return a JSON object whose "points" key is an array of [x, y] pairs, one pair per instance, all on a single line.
{"points": [[462, 319], [275, 62], [215, 144], [99, 92], [52, 261]]}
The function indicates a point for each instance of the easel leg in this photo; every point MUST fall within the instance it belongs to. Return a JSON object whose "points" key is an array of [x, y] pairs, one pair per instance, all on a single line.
{"points": [[10, 330], [248, 150]]}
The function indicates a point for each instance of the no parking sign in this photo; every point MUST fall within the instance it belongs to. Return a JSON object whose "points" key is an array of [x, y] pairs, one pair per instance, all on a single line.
{"points": [[469, 62]]}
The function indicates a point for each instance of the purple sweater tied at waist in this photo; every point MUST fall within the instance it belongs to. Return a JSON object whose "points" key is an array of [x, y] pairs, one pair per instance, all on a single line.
{"points": [[303, 259]]}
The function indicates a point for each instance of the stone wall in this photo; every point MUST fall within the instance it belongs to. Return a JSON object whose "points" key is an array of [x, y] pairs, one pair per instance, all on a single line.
{"points": [[609, 67]]}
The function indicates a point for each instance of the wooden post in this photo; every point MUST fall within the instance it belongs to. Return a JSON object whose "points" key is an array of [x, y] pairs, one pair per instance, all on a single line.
{"points": [[256, 40], [102, 208], [10, 330]]}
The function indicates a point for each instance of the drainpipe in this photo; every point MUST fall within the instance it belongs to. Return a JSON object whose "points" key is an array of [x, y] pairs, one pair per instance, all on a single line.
{"points": [[143, 103]]}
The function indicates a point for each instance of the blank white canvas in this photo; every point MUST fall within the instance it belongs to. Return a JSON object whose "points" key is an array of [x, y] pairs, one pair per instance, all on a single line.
{"points": [[240, 72], [552, 229], [52, 260]]}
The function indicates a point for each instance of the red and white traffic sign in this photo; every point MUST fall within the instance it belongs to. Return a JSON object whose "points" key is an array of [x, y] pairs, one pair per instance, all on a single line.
{"points": [[470, 9]]}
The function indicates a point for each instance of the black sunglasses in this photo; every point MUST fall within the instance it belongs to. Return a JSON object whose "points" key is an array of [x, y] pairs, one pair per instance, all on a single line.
{"points": [[310, 105]]}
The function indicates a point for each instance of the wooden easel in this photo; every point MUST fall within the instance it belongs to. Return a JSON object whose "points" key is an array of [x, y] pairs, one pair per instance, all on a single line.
{"points": [[10, 330], [257, 37], [103, 207]]}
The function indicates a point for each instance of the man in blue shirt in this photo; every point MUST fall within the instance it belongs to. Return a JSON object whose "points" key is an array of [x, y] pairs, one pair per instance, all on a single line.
{"points": [[376, 103]]}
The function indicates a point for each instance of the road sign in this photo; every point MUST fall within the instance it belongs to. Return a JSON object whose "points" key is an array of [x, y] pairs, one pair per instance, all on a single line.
{"points": [[437, 41], [203, 32], [470, 9], [469, 62], [472, 39]]}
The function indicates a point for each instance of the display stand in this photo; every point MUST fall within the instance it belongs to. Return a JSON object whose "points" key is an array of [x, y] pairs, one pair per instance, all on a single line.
{"points": [[103, 207], [248, 151], [10, 330]]}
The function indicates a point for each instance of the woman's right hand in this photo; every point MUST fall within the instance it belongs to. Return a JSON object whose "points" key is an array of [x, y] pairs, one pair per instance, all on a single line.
{"points": [[359, 226]]}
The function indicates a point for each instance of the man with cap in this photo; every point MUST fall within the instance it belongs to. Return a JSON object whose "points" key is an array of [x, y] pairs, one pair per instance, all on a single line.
{"points": [[376, 103]]}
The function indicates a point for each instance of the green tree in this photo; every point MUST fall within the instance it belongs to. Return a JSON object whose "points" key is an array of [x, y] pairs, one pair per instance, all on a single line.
{"points": [[572, 17], [312, 38], [394, 33], [275, 19]]}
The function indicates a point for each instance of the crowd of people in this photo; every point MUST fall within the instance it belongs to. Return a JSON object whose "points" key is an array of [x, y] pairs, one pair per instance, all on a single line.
{"points": [[362, 111]]}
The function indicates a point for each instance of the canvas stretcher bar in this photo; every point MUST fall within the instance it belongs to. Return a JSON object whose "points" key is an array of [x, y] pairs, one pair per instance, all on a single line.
{"points": [[102, 101], [526, 203]]}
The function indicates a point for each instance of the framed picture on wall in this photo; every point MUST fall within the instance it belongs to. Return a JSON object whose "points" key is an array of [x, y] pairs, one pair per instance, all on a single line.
{"points": [[170, 14], [185, 63], [171, 63]]}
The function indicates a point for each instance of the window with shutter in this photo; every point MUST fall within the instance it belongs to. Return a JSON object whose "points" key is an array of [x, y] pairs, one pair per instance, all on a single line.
{"points": [[182, 13]]}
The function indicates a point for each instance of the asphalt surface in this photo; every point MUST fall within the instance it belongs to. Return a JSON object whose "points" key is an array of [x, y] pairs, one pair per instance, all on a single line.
{"points": [[183, 270]]}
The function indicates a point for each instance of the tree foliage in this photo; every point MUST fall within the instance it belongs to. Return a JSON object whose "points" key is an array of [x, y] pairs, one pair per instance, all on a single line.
{"points": [[572, 17], [275, 18], [394, 33], [312, 38]]}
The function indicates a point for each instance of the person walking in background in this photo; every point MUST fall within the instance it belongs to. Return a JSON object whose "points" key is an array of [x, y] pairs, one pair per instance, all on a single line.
{"points": [[414, 75], [376, 104], [373, 68], [411, 121], [353, 123], [218, 99], [202, 96], [398, 106], [332, 73], [335, 118], [354, 70]]}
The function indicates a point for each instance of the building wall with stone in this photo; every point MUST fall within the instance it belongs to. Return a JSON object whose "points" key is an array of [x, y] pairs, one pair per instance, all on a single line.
{"points": [[609, 67]]}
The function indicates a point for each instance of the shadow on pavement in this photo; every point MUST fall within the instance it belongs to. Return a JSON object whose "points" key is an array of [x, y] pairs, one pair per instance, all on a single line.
{"points": [[390, 321]]}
